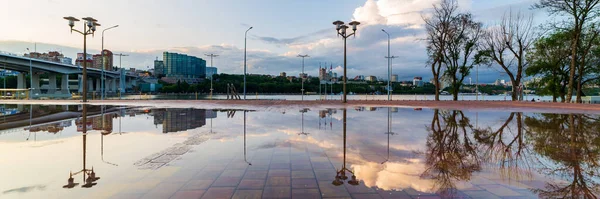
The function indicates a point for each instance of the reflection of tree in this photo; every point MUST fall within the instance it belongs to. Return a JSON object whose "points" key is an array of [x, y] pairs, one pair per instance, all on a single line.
{"points": [[506, 146], [571, 143], [451, 155]]}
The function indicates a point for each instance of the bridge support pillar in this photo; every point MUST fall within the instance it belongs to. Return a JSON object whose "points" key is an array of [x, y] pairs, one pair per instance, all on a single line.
{"points": [[51, 83], [98, 85], [80, 83], [35, 78], [64, 84], [113, 85], [90, 85], [21, 81]]}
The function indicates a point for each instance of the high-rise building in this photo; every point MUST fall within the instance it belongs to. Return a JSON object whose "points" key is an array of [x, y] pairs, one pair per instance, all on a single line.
{"points": [[182, 67], [371, 78], [53, 56], [108, 60], [210, 71], [159, 68], [89, 60], [323, 75], [175, 120], [418, 81]]}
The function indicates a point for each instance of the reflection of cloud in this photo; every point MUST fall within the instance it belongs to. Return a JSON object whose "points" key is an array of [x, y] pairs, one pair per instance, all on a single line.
{"points": [[25, 189], [394, 175]]}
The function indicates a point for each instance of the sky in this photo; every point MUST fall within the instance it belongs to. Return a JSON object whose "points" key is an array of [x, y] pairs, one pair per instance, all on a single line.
{"points": [[282, 29]]}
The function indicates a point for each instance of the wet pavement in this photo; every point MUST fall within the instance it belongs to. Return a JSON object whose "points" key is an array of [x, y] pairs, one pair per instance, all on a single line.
{"points": [[53, 151]]}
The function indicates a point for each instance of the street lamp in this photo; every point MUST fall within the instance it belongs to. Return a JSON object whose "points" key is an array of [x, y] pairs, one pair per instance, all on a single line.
{"points": [[341, 31], [103, 66], [211, 75], [245, 36], [31, 75], [89, 27], [303, 56], [390, 59], [340, 175]]}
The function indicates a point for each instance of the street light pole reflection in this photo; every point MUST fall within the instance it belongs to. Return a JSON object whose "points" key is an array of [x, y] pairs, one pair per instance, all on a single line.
{"points": [[245, 160], [304, 110], [89, 176], [340, 175], [389, 132]]}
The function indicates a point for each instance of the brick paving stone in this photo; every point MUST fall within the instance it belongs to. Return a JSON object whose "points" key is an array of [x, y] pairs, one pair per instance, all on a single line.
{"points": [[277, 192], [322, 165], [207, 175], [481, 195], [247, 194], [393, 194], [478, 180], [302, 166], [329, 190], [197, 185], [233, 173], [278, 181], [127, 196], [304, 183], [188, 194], [325, 175], [226, 182], [366, 196], [251, 184], [237, 166], [279, 172], [303, 174], [279, 166], [500, 190], [361, 188], [305, 194], [256, 174], [258, 167], [412, 192], [163, 190], [218, 193]]}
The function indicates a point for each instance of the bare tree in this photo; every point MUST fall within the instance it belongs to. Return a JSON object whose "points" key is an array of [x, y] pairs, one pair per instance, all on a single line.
{"points": [[437, 26], [580, 14], [505, 45], [461, 44]]}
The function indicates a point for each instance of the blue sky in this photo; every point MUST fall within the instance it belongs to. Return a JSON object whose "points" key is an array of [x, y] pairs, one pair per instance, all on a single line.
{"points": [[282, 29]]}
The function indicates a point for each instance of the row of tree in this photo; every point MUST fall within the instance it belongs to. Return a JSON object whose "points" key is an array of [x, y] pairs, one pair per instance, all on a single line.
{"points": [[564, 60]]}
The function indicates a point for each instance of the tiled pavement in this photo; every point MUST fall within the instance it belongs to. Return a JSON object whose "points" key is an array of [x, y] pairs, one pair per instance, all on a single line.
{"points": [[294, 172]]}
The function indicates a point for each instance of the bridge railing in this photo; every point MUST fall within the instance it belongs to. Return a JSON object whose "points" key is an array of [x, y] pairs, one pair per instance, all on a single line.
{"points": [[14, 93]]}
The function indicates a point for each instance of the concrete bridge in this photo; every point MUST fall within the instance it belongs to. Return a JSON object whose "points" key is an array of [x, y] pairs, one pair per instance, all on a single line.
{"points": [[115, 80]]}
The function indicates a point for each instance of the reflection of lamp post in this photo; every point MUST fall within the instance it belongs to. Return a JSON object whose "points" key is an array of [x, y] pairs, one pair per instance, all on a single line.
{"points": [[30, 75], [340, 175], [304, 110], [245, 139], [89, 27], [104, 132], [341, 31], [89, 176], [389, 132]]}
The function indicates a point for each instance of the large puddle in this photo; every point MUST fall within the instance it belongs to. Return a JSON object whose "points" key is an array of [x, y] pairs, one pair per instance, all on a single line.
{"points": [[76, 151]]}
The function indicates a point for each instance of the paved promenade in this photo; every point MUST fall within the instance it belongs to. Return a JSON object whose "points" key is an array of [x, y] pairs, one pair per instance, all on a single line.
{"points": [[292, 104]]}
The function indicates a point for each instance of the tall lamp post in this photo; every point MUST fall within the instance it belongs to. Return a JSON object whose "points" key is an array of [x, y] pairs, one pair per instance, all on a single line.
{"points": [[303, 56], [245, 38], [31, 75], [390, 59], [211, 75], [389, 65], [89, 28], [103, 66], [121, 55], [341, 31]]}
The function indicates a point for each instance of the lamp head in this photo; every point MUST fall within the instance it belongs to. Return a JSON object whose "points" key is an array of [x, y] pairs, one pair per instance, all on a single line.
{"points": [[71, 20], [343, 29], [338, 24], [354, 25]]}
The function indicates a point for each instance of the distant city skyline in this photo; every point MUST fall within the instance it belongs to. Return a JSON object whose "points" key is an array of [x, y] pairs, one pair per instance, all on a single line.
{"points": [[279, 32]]}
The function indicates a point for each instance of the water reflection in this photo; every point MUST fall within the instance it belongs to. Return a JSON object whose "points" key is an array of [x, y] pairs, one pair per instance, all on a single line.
{"points": [[89, 175], [571, 143], [451, 154], [340, 175]]}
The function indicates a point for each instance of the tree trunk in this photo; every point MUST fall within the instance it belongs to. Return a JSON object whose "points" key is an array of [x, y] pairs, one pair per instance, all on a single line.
{"points": [[573, 65], [455, 90], [579, 86]]}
